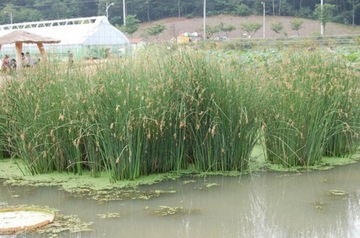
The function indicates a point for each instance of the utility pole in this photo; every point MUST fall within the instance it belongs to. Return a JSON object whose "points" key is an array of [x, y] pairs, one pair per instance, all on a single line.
{"points": [[204, 26], [353, 13], [107, 9], [124, 12], [263, 3], [321, 18]]}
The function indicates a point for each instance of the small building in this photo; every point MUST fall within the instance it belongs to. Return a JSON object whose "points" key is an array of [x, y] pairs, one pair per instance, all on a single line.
{"points": [[89, 37], [137, 43]]}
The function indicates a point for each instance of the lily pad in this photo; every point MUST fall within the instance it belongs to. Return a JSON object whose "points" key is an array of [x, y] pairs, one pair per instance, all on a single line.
{"points": [[109, 215], [319, 205], [165, 210], [24, 219], [339, 193], [189, 181], [209, 185], [60, 224]]}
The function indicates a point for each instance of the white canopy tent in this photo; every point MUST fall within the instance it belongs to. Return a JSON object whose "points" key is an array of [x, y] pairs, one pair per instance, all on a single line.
{"points": [[73, 33]]}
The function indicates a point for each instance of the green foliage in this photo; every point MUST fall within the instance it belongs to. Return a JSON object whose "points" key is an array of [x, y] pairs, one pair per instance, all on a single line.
{"points": [[243, 10], [226, 28], [164, 110], [296, 25], [211, 30], [304, 12], [251, 27], [156, 30], [154, 10], [132, 25], [286, 9], [326, 15], [311, 112], [221, 27], [277, 27]]}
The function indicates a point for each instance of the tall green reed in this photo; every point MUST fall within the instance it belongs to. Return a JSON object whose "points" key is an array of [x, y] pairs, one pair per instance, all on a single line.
{"points": [[305, 94], [157, 112], [166, 110]]}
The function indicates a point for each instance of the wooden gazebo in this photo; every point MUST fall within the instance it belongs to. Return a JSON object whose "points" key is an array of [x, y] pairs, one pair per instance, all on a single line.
{"points": [[20, 37]]}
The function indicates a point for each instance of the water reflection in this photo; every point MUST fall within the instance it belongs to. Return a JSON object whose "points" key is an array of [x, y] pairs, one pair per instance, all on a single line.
{"points": [[257, 205]]}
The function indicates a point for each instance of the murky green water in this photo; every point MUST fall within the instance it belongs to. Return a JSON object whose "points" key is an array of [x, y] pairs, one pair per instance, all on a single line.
{"points": [[257, 205]]}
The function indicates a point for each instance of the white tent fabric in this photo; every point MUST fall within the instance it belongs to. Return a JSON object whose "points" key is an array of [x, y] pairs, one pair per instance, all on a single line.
{"points": [[71, 32]]}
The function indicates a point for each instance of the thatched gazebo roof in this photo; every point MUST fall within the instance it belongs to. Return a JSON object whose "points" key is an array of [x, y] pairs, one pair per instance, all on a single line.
{"points": [[19, 37], [25, 37]]}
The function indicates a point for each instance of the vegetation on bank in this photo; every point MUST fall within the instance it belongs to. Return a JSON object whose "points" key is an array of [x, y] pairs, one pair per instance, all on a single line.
{"points": [[342, 11], [165, 110]]}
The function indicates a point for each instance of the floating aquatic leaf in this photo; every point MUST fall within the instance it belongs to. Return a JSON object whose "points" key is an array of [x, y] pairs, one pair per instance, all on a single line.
{"points": [[337, 192], [61, 223], [165, 210], [189, 181], [209, 185], [109, 215], [319, 205]]}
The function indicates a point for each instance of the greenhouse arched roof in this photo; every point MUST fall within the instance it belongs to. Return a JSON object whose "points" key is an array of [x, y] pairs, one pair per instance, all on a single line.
{"points": [[77, 31]]}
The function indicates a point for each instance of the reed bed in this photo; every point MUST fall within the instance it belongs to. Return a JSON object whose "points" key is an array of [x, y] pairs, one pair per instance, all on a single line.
{"points": [[166, 110], [313, 109], [156, 112]]}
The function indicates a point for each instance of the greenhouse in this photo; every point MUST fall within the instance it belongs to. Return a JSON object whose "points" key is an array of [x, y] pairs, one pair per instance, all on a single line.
{"points": [[90, 37]]}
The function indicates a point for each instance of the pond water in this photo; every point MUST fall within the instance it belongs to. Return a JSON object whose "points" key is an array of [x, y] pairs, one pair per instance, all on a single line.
{"points": [[310, 204]]}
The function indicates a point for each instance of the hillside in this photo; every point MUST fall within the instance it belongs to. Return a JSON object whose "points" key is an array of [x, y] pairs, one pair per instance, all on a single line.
{"points": [[176, 26]]}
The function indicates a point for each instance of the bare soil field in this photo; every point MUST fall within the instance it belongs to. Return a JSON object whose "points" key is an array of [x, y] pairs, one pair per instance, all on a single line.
{"points": [[177, 26]]}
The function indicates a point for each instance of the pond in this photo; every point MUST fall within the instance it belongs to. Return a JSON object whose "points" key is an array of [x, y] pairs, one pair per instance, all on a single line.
{"points": [[308, 204]]}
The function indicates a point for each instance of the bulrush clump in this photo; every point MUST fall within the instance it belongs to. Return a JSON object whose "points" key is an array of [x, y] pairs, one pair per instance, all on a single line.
{"points": [[165, 110]]}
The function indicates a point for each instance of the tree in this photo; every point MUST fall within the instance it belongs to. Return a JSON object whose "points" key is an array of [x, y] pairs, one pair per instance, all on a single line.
{"points": [[26, 14], [148, 10], [277, 28], [156, 30], [132, 25], [355, 6], [211, 30], [296, 25], [243, 10], [326, 15], [9, 13], [60, 10], [226, 28], [304, 12], [251, 27]]}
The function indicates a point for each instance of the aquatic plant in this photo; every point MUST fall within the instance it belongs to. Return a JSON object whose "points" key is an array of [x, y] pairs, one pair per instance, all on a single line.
{"points": [[155, 113], [311, 110], [167, 110]]}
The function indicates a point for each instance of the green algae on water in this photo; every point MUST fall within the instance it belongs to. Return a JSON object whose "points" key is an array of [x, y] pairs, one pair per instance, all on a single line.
{"points": [[109, 215], [175, 210]]}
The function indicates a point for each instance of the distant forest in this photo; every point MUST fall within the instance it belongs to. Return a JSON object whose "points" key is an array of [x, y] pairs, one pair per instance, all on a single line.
{"points": [[345, 11]]}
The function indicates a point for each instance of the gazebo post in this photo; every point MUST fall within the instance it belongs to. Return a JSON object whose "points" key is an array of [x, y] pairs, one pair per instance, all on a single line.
{"points": [[18, 46], [19, 37], [42, 52]]}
